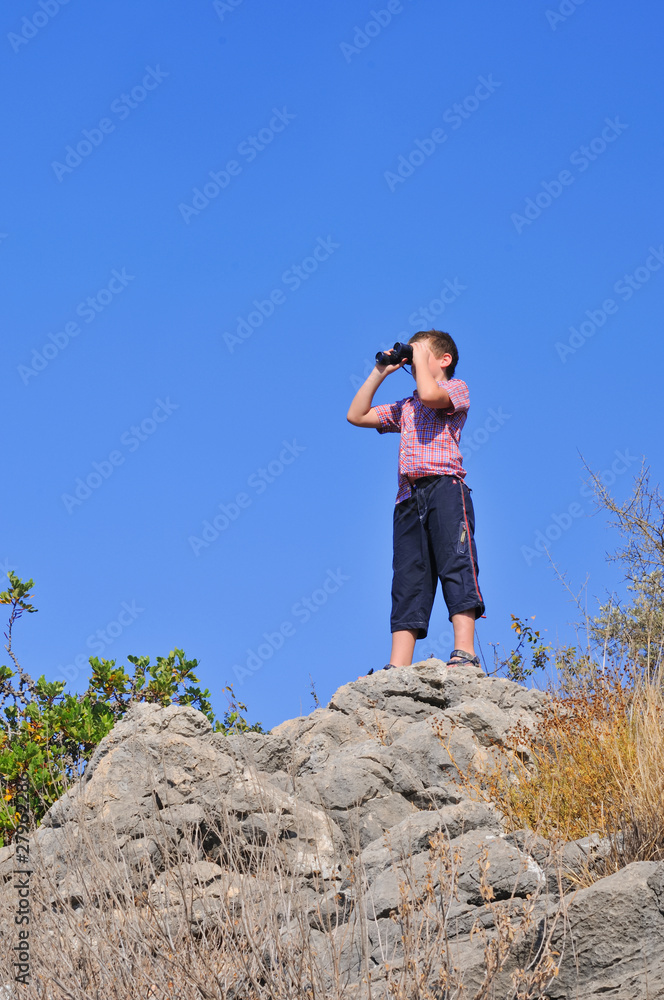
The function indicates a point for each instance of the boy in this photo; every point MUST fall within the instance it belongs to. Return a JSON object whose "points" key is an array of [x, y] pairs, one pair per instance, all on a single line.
{"points": [[434, 519]]}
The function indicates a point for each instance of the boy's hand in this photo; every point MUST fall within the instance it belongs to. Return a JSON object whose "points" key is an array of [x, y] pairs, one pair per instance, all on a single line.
{"points": [[421, 352], [388, 369]]}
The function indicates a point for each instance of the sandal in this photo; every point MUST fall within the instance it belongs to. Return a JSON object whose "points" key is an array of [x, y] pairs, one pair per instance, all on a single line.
{"points": [[388, 666], [460, 657]]}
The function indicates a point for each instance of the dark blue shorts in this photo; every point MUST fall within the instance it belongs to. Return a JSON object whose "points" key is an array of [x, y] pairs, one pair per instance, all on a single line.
{"points": [[433, 540]]}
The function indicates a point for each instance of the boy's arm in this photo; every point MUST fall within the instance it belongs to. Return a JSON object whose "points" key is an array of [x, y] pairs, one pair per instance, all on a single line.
{"points": [[428, 390], [361, 413], [430, 393]]}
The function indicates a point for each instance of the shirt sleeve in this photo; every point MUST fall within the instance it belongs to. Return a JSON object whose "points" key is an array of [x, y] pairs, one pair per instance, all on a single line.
{"points": [[457, 390], [389, 415]]}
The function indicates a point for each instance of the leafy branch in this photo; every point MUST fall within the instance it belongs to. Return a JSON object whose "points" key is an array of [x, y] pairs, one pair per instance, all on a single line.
{"points": [[529, 655], [50, 734], [16, 596]]}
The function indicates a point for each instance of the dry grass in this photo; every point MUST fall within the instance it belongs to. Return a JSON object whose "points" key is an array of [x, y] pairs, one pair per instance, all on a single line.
{"points": [[242, 926], [594, 764]]}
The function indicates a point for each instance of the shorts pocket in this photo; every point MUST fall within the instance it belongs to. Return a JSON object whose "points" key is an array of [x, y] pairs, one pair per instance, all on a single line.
{"points": [[462, 543]]}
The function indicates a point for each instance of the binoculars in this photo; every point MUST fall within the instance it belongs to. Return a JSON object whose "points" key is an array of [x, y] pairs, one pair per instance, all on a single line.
{"points": [[403, 351]]}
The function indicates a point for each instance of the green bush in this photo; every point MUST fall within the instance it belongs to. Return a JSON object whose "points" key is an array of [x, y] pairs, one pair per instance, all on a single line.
{"points": [[49, 734]]}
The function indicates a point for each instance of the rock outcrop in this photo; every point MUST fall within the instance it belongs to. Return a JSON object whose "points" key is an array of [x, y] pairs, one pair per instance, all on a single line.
{"points": [[360, 808]]}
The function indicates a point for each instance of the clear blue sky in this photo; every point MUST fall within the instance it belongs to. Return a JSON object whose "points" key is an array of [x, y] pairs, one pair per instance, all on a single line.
{"points": [[214, 215]]}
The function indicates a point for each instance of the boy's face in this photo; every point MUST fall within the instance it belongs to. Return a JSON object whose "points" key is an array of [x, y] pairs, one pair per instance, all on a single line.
{"points": [[422, 355]]}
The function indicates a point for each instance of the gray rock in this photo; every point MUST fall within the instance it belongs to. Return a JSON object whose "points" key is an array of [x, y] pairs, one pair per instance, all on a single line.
{"points": [[178, 886], [509, 871], [389, 889], [308, 839], [486, 721], [437, 759], [350, 783], [330, 910], [265, 752], [332, 822], [413, 834], [614, 942]]}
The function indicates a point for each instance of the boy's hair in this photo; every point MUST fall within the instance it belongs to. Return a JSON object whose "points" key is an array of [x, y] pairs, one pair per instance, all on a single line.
{"points": [[440, 343]]}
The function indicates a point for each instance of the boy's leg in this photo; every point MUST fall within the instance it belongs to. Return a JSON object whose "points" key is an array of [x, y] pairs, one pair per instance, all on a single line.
{"points": [[451, 527], [403, 644], [463, 624], [414, 582]]}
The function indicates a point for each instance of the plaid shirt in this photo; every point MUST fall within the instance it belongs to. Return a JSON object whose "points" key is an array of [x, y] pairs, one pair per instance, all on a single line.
{"points": [[429, 438]]}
